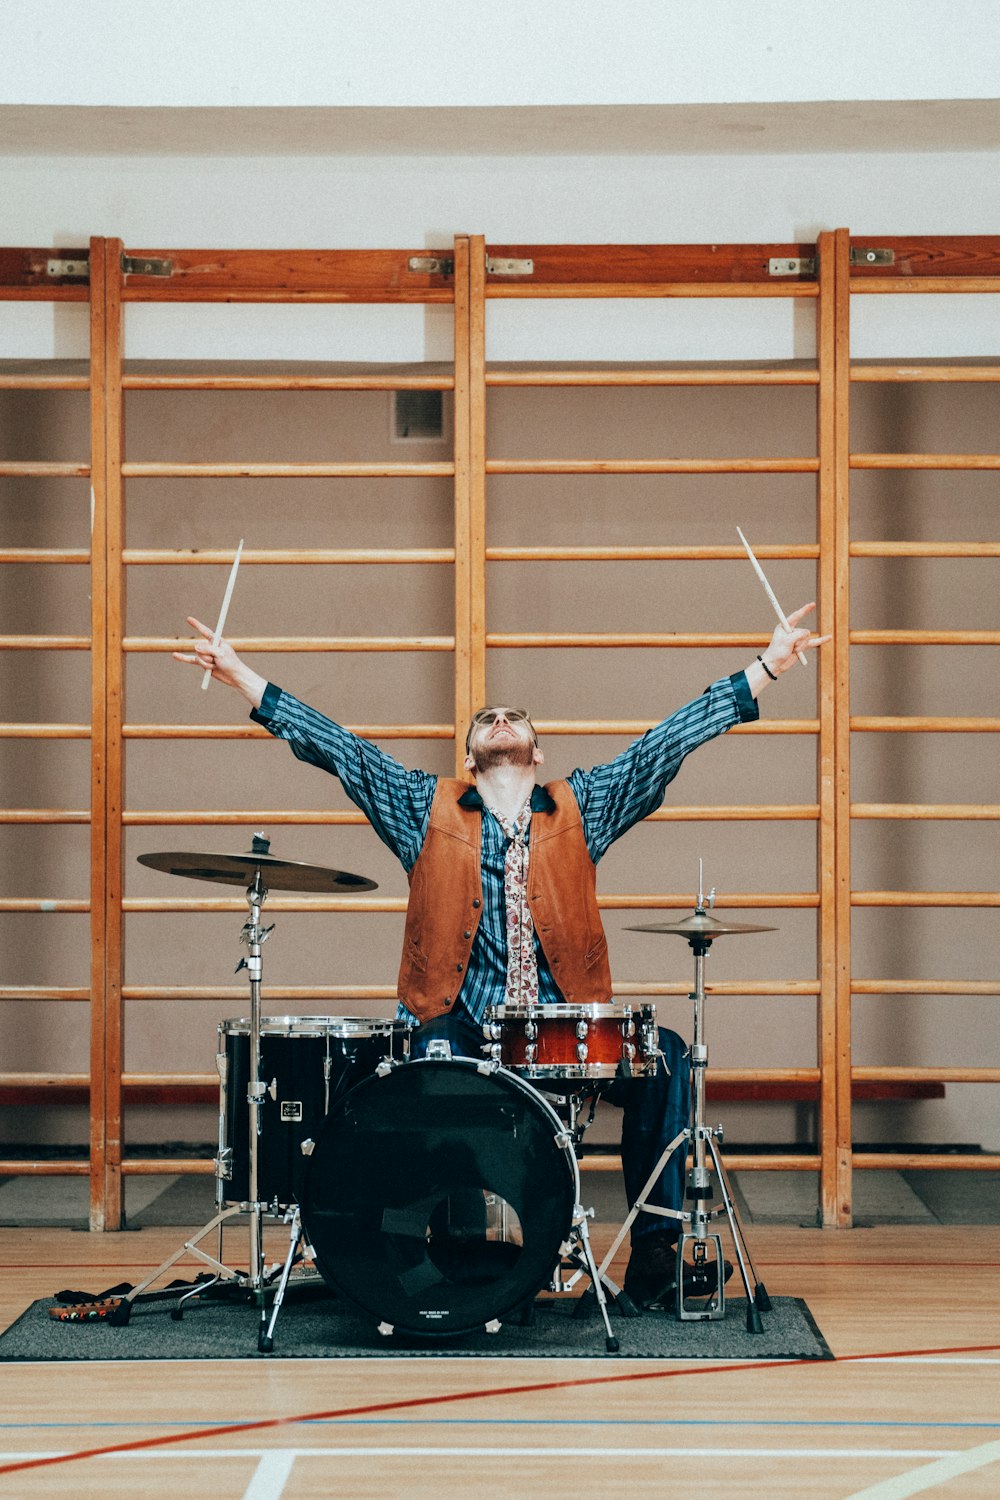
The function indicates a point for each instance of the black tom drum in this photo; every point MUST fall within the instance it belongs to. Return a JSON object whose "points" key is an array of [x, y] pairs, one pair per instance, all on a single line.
{"points": [[439, 1196], [306, 1063]]}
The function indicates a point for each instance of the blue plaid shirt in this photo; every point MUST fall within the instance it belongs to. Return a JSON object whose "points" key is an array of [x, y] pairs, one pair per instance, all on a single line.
{"points": [[611, 798]]}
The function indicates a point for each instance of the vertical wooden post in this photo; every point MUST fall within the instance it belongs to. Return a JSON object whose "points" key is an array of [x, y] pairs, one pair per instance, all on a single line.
{"points": [[477, 462], [842, 716], [832, 1204], [115, 694], [461, 694], [98, 728]]}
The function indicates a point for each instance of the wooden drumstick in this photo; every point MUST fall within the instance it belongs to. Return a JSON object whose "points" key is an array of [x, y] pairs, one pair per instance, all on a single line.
{"points": [[217, 637], [769, 591]]}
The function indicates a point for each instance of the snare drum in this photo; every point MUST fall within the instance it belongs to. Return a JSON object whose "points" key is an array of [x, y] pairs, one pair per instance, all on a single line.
{"points": [[573, 1041], [440, 1195], [307, 1063]]}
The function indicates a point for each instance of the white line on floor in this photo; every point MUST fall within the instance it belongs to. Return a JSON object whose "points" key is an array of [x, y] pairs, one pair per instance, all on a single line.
{"points": [[520, 1452], [931, 1475], [271, 1475]]}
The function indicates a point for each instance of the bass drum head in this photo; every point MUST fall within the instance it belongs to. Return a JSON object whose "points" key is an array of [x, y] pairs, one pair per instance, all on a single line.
{"points": [[438, 1198]]}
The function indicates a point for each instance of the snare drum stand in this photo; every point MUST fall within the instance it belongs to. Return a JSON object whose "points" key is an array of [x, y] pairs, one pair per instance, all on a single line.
{"points": [[260, 1277], [698, 930]]}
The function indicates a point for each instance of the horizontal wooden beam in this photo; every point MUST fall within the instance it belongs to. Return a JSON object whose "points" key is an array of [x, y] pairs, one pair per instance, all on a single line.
{"points": [[916, 372], [925, 549], [624, 268], [290, 276], [925, 637], [808, 551], [285, 556], [443, 469], [919, 811], [296, 643], [925, 987], [925, 898], [917, 258], [647, 375], [922, 724], [925, 460], [653, 465], [382, 378]]}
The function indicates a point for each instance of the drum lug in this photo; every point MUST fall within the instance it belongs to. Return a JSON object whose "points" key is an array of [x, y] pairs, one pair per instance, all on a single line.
{"points": [[385, 1329], [531, 1031], [564, 1139], [495, 1051], [494, 1031], [581, 1052], [439, 1050], [385, 1067], [582, 1029], [273, 1088], [308, 1146], [628, 1050], [493, 1326], [628, 1026], [530, 1052]]}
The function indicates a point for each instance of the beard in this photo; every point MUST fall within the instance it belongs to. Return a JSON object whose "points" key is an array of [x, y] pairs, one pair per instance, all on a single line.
{"points": [[512, 753]]}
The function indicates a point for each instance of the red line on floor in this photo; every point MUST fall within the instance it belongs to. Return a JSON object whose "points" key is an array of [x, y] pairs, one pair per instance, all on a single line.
{"points": [[270, 1423]]}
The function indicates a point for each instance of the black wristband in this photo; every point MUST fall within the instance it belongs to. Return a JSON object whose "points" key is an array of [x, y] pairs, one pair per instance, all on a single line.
{"points": [[773, 675]]}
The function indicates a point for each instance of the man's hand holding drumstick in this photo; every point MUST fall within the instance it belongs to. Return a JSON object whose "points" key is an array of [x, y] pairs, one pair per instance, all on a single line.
{"points": [[225, 666]]}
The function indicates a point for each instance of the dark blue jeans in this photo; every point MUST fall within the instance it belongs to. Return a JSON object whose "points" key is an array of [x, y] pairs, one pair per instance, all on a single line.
{"points": [[654, 1111]]}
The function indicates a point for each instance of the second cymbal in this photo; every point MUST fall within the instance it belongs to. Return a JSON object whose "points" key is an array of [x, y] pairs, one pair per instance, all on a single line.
{"points": [[701, 925], [240, 869]]}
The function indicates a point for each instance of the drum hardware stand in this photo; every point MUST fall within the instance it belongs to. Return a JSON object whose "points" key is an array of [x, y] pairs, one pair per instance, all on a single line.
{"points": [[263, 870], [260, 1276], [700, 930]]}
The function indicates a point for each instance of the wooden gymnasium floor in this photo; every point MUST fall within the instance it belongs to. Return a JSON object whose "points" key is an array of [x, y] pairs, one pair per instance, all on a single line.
{"points": [[911, 1405]]}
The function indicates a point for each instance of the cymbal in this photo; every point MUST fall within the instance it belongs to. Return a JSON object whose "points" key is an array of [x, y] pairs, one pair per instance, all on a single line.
{"points": [[700, 925], [240, 869]]}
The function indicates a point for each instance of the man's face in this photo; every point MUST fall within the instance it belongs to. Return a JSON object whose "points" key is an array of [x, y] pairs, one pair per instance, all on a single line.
{"points": [[501, 737]]}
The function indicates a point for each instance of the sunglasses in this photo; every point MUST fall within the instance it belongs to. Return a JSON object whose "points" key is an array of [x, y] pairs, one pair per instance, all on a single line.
{"points": [[485, 717]]}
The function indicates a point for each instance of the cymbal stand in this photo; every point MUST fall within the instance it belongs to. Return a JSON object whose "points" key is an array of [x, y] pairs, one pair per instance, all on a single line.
{"points": [[699, 1192], [257, 1282]]}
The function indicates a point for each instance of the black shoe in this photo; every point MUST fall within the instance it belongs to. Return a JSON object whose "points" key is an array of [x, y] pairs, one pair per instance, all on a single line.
{"points": [[651, 1276]]}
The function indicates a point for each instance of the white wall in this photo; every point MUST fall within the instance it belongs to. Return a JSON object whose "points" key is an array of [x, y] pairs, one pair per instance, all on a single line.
{"points": [[242, 52]]}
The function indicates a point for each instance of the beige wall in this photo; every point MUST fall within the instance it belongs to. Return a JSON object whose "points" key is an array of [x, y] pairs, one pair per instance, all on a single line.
{"points": [[346, 948]]}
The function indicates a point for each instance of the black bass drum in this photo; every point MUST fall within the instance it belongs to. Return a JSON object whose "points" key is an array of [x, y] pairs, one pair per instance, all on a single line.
{"points": [[439, 1196]]}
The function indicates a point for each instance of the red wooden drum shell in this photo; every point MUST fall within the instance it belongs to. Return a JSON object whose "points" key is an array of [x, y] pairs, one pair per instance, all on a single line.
{"points": [[573, 1041]]}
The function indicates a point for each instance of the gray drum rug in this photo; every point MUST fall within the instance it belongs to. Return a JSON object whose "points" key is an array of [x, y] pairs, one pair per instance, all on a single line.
{"points": [[316, 1325]]}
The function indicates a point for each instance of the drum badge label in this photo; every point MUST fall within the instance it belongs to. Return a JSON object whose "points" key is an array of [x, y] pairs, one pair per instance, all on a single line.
{"points": [[291, 1109]]}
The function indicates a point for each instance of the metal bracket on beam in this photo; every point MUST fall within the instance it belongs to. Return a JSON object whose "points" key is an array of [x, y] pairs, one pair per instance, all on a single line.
{"points": [[498, 266], [68, 270], [134, 265], [431, 265], [870, 257], [803, 266]]}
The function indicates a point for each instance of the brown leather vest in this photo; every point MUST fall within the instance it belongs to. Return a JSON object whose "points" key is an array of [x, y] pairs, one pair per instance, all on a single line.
{"points": [[446, 903]]}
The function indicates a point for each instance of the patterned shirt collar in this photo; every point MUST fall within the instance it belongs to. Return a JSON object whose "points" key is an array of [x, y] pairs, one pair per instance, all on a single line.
{"points": [[540, 800]]}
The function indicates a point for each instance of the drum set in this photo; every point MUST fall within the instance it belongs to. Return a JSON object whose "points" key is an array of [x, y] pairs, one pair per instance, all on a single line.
{"points": [[441, 1194]]}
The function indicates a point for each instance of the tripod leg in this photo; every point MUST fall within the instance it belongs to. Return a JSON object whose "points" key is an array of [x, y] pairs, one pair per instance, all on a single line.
{"points": [[754, 1305], [640, 1205], [190, 1247], [580, 1224], [265, 1334]]}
